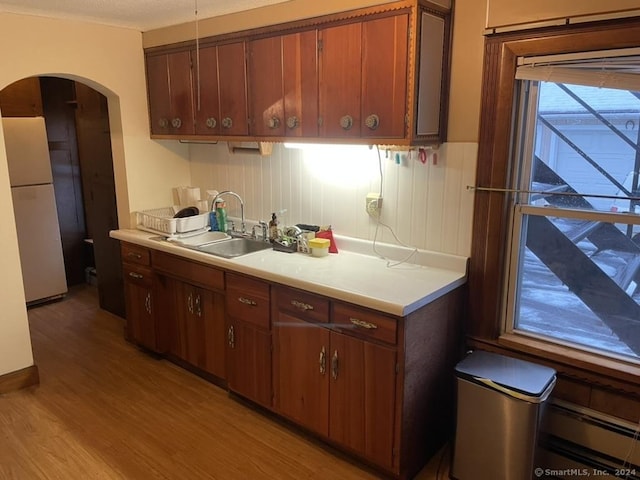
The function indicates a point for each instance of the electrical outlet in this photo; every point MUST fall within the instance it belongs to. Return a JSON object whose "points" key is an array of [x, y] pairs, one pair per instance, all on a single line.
{"points": [[374, 204]]}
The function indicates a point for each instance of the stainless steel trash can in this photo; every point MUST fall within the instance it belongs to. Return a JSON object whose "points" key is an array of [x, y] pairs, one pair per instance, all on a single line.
{"points": [[500, 402]]}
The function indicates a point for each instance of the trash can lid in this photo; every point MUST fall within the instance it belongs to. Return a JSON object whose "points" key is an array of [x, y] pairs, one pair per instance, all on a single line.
{"points": [[512, 374]]}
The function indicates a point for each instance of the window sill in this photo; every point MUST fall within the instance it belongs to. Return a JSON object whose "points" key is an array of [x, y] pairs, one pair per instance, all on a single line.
{"points": [[610, 372]]}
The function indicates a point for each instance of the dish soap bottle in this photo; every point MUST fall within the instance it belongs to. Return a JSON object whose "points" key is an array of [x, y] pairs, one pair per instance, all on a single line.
{"points": [[273, 228], [221, 216]]}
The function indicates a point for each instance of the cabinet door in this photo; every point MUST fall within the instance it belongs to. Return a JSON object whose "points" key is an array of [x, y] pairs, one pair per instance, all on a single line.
{"points": [[209, 316], [170, 93], [384, 77], [198, 332], [340, 80], [300, 82], [141, 324], [180, 93], [249, 361], [206, 93], [158, 94], [301, 389], [362, 397], [232, 86], [265, 90]]}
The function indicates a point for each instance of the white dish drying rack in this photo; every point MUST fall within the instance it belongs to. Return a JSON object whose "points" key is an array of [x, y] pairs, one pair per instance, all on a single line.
{"points": [[162, 222]]}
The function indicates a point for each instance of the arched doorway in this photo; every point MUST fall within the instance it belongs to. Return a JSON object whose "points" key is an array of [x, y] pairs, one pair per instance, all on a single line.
{"points": [[77, 121]]}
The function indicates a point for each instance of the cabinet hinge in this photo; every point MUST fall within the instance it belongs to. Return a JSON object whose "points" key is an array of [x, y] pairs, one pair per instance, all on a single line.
{"points": [[319, 121], [320, 46], [406, 119], [397, 368]]}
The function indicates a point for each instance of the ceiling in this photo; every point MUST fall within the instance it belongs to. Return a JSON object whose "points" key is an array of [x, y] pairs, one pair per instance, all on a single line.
{"points": [[141, 15]]}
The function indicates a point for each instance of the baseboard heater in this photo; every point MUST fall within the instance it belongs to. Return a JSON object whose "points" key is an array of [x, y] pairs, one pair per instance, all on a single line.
{"points": [[577, 442]]}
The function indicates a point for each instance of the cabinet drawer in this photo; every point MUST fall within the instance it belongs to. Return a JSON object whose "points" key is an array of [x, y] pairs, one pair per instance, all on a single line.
{"points": [[306, 306], [137, 274], [364, 323], [135, 254], [248, 300], [192, 272]]}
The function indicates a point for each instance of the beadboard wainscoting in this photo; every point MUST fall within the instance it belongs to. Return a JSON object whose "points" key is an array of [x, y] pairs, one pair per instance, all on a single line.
{"points": [[427, 204]]}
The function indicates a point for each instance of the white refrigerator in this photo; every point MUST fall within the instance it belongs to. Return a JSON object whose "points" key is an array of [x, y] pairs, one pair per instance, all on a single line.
{"points": [[34, 207]]}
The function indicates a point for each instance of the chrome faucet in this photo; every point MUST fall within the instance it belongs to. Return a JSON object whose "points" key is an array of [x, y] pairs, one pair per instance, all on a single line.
{"points": [[243, 227], [262, 225]]}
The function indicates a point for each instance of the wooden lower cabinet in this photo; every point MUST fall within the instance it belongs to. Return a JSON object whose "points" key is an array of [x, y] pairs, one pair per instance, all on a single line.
{"points": [[140, 298], [301, 372], [378, 386], [139, 301], [248, 338], [336, 385], [362, 397], [249, 361], [198, 330]]}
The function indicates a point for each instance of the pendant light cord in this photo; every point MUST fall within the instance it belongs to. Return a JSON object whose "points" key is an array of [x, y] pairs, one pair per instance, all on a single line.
{"points": [[197, 54]]}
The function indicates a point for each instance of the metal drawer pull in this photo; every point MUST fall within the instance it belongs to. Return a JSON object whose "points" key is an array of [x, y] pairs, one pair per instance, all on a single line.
{"points": [[361, 323], [134, 255], [136, 275], [231, 338], [190, 303], [198, 306], [147, 303], [334, 365], [247, 301], [323, 361], [301, 305]]}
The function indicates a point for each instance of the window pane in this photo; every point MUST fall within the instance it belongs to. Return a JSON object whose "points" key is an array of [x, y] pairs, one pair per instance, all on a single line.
{"points": [[578, 279], [586, 141], [578, 292]]}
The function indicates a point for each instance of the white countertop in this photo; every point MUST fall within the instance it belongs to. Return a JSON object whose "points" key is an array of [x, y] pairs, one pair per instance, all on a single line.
{"points": [[354, 274]]}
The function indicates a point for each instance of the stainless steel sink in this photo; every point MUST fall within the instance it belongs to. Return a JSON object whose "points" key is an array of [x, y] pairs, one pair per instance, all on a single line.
{"points": [[234, 247]]}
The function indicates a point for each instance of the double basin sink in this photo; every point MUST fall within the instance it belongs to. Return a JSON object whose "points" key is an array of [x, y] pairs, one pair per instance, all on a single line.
{"points": [[222, 245]]}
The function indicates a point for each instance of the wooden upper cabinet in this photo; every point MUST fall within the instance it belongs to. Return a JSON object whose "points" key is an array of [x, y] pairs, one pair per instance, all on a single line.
{"points": [[206, 93], [266, 100], [363, 78], [300, 82], [232, 87], [384, 76], [283, 88], [220, 90], [22, 99], [170, 93], [373, 75], [340, 80]]}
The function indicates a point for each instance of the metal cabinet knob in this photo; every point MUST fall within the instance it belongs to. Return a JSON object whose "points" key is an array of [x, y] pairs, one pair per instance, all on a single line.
{"points": [[163, 123], [372, 121], [346, 122], [273, 123], [211, 122], [227, 123], [293, 122], [176, 123]]}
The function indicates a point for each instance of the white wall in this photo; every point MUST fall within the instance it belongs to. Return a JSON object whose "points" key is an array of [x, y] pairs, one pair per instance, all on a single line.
{"points": [[427, 205], [110, 60]]}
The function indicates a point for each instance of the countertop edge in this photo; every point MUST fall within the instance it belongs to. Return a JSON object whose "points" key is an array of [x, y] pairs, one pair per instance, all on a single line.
{"points": [[396, 309]]}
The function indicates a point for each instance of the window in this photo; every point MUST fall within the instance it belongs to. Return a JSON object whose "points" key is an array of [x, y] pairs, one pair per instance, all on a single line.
{"points": [[574, 268]]}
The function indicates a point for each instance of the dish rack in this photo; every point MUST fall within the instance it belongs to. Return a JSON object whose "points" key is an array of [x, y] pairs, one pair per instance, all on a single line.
{"points": [[161, 221]]}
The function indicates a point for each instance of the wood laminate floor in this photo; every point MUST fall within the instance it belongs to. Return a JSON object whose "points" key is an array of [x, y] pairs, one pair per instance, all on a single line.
{"points": [[106, 410]]}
